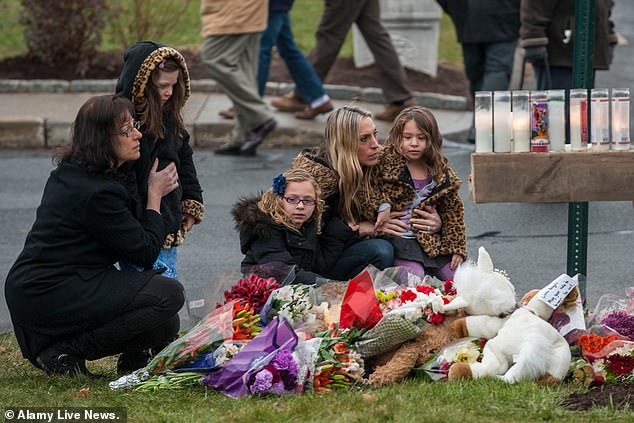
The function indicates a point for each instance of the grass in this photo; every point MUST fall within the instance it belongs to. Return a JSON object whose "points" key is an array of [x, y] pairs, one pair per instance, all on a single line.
{"points": [[305, 16], [414, 400]]}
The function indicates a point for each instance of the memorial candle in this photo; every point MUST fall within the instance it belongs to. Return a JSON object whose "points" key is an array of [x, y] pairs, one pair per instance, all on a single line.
{"points": [[578, 119], [556, 120], [600, 113], [502, 121], [484, 121], [539, 121], [521, 122], [621, 118]]}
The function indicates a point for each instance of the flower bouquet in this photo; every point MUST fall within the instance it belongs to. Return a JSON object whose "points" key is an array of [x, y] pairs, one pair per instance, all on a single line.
{"points": [[614, 362], [278, 377], [292, 302], [406, 312], [338, 364], [466, 350], [235, 380], [620, 321], [254, 290]]}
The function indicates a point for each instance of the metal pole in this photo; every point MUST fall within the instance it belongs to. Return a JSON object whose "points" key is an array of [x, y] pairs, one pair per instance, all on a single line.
{"points": [[583, 77]]}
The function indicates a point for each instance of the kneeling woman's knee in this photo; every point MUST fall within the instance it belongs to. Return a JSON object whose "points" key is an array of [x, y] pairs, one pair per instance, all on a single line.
{"points": [[382, 253], [172, 293]]}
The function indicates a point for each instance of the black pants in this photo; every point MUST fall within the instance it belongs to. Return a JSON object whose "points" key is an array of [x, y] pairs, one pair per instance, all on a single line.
{"points": [[150, 320]]}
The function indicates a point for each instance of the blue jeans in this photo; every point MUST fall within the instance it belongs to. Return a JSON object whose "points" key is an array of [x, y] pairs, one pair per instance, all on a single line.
{"points": [[377, 252], [278, 33]]}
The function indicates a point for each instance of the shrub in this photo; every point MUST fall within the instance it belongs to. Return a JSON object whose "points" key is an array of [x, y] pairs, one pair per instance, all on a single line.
{"points": [[137, 20], [64, 32]]}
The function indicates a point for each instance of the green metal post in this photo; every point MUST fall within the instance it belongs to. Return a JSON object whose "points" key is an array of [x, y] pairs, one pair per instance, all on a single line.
{"points": [[583, 77]]}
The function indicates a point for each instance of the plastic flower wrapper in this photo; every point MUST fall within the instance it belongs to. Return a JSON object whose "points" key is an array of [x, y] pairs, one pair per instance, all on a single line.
{"points": [[592, 344], [233, 378], [292, 302], [610, 303], [614, 362], [169, 381], [360, 308], [406, 313], [216, 359], [338, 364], [465, 350]]}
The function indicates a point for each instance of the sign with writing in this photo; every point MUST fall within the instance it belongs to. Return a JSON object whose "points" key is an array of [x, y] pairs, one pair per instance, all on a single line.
{"points": [[555, 292]]}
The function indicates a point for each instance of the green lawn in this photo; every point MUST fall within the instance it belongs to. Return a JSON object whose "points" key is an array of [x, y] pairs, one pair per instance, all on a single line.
{"points": [[413, 401], [186, 30]]}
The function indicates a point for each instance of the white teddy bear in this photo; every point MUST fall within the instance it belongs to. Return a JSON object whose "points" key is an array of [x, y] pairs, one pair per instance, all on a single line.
{"points": [[526, 347]]}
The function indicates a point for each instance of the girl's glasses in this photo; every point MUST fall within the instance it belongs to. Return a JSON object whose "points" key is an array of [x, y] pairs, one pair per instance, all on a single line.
{"points": [[296, 200], [128, 129]]}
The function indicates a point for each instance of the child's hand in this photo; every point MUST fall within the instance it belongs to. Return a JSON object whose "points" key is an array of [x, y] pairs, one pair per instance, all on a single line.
{"points": [[381, 218], [456, 260], [353, 226], [188, 221]]}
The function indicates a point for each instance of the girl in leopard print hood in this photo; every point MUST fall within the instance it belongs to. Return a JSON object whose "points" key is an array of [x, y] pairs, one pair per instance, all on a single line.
{"points": [[156, 79]]}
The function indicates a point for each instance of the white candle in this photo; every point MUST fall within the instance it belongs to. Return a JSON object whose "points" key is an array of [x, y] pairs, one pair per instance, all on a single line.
{"points": [[484, 122], [521, 122], [600, 112], [501, 121], [621, 118], [578, 119], [556, 120]]}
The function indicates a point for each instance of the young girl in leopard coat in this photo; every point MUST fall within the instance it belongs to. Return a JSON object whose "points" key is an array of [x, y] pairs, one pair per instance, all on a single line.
{"points": [[415, 174]]}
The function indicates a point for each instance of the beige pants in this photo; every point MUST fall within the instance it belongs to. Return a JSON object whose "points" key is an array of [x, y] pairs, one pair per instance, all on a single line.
{"points": [[232, 61]]}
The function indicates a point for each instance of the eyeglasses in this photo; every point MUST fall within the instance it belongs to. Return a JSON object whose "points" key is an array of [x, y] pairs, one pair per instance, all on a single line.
{"points": [[296, 200], [128, 130]]}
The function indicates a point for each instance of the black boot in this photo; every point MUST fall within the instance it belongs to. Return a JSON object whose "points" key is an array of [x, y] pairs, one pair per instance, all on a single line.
{"points": [[128, 362], [57, 360]]}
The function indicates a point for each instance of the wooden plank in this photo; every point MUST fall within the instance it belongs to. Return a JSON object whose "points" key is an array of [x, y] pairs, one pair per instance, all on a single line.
{"points": [[552, 177]]}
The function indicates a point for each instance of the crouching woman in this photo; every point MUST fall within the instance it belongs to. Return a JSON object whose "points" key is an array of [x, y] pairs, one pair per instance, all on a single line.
{"points": [[68, 302], [282, 227]]}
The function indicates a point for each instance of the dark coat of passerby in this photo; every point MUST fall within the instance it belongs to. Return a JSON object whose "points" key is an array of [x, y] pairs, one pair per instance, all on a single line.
{"points": [[488, 32], [547, 36]]}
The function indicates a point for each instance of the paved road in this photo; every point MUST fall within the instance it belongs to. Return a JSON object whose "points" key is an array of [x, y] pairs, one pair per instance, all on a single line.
{"points": [[528, 240]]}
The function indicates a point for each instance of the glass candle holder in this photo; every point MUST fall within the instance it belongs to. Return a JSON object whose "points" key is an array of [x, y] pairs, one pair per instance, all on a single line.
{"points": [[484, 121], [600, 114], [521, 121], [579, 119], [621, 118], [539, 121], [557, 120], [502, 131]]}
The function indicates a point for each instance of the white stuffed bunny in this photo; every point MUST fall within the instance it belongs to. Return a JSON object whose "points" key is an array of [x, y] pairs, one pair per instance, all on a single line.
{"points": [[526, 347], [486, 295]]}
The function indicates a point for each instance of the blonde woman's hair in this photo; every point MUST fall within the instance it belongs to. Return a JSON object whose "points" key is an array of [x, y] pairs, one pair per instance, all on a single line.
{"points": [[341, 148], [433, 156], [273, 204]]}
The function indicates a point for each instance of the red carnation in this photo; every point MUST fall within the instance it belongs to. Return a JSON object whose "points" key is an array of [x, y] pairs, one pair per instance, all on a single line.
{"points": [[436, 319], [425, 289], [408, 295], [449, 288]]}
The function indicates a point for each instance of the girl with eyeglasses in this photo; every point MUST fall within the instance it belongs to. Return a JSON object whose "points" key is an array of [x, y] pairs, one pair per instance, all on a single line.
{"points": [[156, 79], [282, 228]]}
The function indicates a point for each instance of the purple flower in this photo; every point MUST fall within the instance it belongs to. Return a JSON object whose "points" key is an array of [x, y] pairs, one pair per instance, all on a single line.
{"points": [[283, 359], [278, 388], [621, 322], [262, 383]]}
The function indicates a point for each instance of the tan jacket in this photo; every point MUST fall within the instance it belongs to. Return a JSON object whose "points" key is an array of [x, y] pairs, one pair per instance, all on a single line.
{"points": [[226, 17]]}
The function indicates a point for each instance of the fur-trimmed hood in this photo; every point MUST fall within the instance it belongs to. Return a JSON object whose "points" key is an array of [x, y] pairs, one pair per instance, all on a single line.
{"points": [[139, 61], [314, 163], [249, 220]]}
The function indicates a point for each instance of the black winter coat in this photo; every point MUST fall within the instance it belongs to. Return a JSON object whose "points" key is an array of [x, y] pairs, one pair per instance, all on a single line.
{"points": [[263, 241], [484, 21], [64, 281]]}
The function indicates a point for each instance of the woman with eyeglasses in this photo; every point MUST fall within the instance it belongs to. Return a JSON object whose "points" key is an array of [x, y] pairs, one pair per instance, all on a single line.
{"points": [[68, 302], [283, 228], [155, 78]]}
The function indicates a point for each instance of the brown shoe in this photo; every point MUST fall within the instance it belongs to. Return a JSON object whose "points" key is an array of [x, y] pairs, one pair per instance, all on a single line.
{"points": [[310, 113], [288, 103], [392, 110], [229, 113]]}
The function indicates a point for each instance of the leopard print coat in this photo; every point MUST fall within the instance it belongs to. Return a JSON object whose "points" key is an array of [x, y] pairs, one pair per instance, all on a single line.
{"points": [[395, 186]]}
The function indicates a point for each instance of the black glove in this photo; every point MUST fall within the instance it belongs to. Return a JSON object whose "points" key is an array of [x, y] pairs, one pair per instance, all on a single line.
{"points": [[535, 54]]}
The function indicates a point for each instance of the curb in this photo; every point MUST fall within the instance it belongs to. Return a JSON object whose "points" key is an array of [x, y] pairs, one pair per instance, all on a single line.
{"points": [[337, 92], [36, 132]]}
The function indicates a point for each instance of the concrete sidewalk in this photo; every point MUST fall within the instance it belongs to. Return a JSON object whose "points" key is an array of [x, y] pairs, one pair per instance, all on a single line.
{"points": [[38, 114]]}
